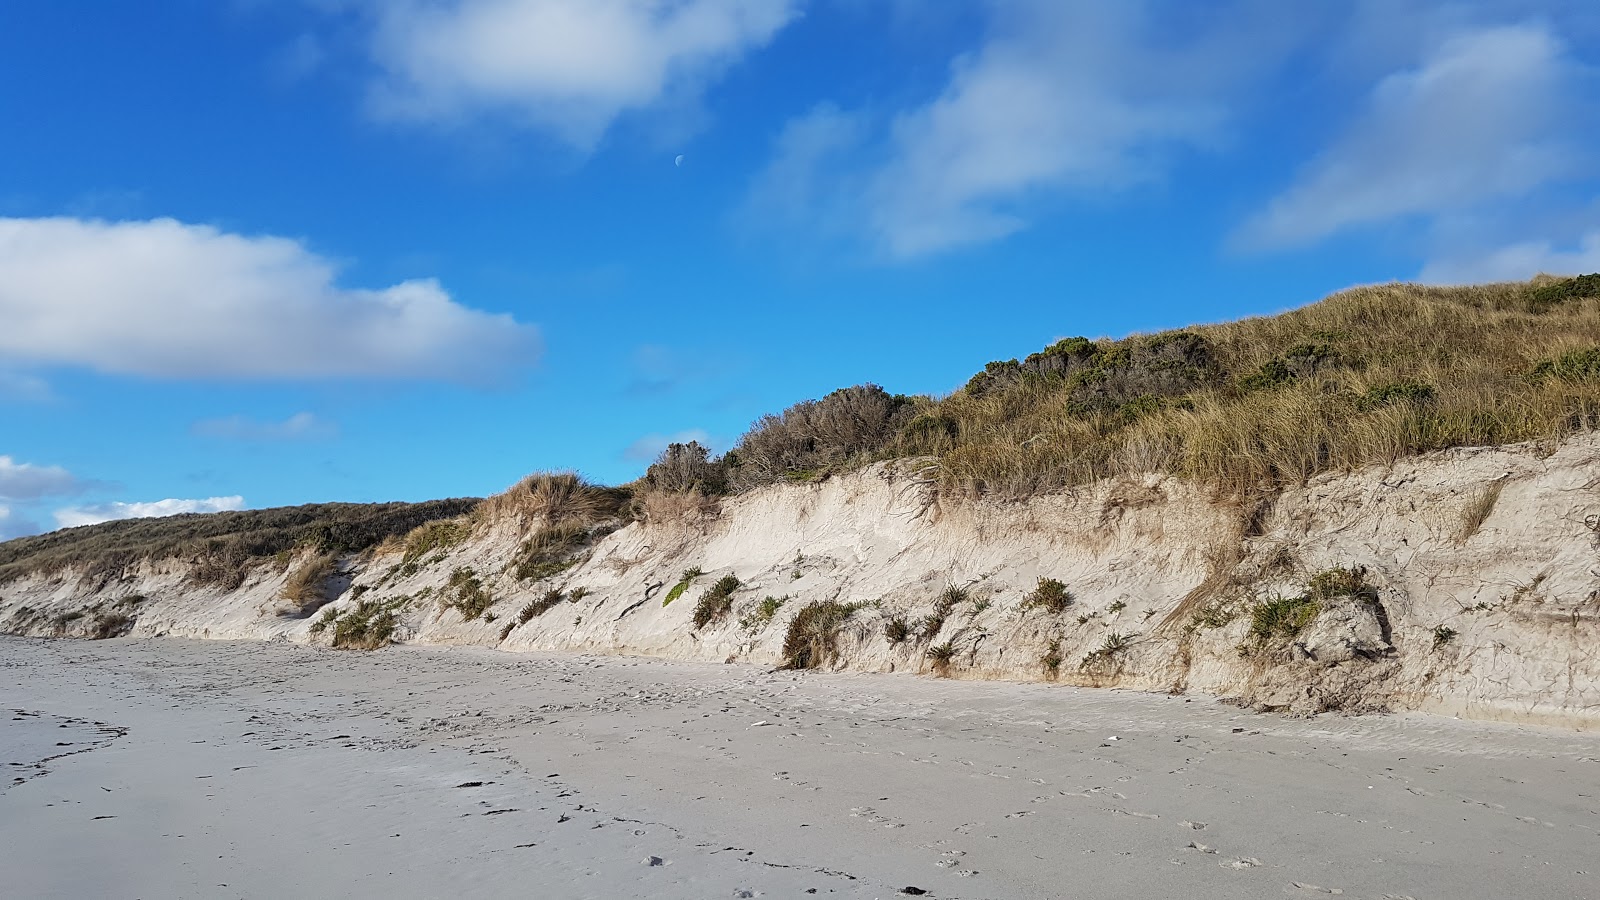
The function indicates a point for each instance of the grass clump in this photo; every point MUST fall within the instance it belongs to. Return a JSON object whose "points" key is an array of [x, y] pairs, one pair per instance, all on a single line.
{"points": [[684, 580], [942, 656], [368, 626], [951, 597], [547, 552], [306, 587], [896, 630], [1391, 392], [466, 594], [1109, 651], [1282, 617], [716, 602], [763, 613], [1478, 510], [812, 640], [540, 606], [1050, 595], [1442, 635], [440, 536]]}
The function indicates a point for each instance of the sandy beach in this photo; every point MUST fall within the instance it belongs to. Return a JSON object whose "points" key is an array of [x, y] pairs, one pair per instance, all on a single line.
{"points": [[168, 768]]}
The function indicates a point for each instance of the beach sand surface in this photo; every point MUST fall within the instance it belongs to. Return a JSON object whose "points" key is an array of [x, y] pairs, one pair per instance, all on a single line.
{"points": [[157, 768]]}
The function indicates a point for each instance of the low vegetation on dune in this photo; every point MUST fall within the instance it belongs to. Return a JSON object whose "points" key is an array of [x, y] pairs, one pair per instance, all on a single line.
{"points": [[220, 547], [1366, 376]]}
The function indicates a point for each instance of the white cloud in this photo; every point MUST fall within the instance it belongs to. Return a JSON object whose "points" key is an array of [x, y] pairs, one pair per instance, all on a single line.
{"points": [[570, 66], [300, 426], [13, 526], [1517, 262], [647, 448], [1083, 97], [72, 517], [167, 299], [26, 481], [1479, 120]]}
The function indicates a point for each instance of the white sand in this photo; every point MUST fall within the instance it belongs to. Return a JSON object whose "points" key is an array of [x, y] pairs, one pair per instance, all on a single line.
{"points": [[276, 770]]}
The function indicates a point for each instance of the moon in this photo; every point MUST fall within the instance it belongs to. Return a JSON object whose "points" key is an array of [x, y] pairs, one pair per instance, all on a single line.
{"points": [[679, 160]]}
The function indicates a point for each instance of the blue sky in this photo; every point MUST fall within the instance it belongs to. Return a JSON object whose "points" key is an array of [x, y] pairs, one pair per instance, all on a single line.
{"points": [[265, 252]]}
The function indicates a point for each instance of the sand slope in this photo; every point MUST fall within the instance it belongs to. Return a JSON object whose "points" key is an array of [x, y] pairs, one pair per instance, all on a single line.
{"points": [[1490, 619]]}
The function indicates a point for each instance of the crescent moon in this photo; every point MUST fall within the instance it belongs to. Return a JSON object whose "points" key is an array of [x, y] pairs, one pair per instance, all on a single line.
{"points": [[678, 161]]}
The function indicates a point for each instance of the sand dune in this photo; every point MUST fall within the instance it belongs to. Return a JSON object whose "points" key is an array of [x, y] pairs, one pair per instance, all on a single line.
{"points": [[223, 769]]}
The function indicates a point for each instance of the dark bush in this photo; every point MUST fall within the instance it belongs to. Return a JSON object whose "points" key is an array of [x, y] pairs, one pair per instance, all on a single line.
{"points": [[1547, 295], [1050, 595], [846, 426], [814, 633], [1578, 365], [687, 467], [1390, 393], [716, 602]]}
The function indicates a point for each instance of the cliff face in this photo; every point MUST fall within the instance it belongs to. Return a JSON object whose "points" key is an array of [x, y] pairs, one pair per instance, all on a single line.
{"points": [[1462, 582]]}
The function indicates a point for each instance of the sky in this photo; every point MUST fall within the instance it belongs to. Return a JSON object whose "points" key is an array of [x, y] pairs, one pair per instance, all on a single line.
{"points": [[267, 252]]}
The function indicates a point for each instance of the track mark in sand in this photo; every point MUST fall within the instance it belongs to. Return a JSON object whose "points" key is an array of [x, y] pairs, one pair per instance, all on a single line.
{"points": [[1243, 862], [1197, 826], [103, 735], [872, 815], [1316, 889]]}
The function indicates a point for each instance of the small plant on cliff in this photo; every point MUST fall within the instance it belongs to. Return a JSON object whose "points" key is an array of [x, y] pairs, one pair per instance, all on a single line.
{"points": [[540, 606], [689, 575], [465, 594], [942, 656], [812, 641], [1050, 595], [1442, 635], [762, 614], [367, 627], [305, 587], [896, 630], [1282, 617], [715, 602], [1052, 659], [1114, 645]]}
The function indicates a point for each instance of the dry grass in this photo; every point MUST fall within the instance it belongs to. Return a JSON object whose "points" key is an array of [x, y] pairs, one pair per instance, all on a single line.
{"points": [[1478, 510], [306, 588], [1364, 377], [553, 498], [812, 639]]}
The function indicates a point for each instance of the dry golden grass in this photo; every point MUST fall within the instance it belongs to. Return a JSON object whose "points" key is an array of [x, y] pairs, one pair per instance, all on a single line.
{"points": [[553, 498], [1401, 369], [306, 583]]}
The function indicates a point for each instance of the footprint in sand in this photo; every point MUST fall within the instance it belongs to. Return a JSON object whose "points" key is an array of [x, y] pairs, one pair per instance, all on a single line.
{"points": [[1243, 862], [1315, 889]]}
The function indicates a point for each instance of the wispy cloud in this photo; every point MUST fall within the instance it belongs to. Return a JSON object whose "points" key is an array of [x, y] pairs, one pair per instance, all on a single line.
{"points": [[1059, 98], [19, 387], [1517, 262], [647, 448], [27, 481], [298, 427], [1480, 120], [74, 516], [570, 67], [166, 299]]}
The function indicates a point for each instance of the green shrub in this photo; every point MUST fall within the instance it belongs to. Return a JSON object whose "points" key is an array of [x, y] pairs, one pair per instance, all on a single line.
{"points": [[1577, 365], [688, 577], [1282, 617], [1341, 582], [440, 535], [1050, 595], [845, 427], [1547, 295], [716, 602], [1392, 392], [682, 468], [763, 613], [328, 617], [1051, 660], [368, 626], [466, 594]]}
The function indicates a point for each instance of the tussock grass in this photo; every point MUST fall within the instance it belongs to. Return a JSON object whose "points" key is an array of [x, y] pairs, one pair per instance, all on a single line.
{"points": [[554, 498], [941, 657], [1050, 595], [434, 536], [812, 639], [306, 587]]}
